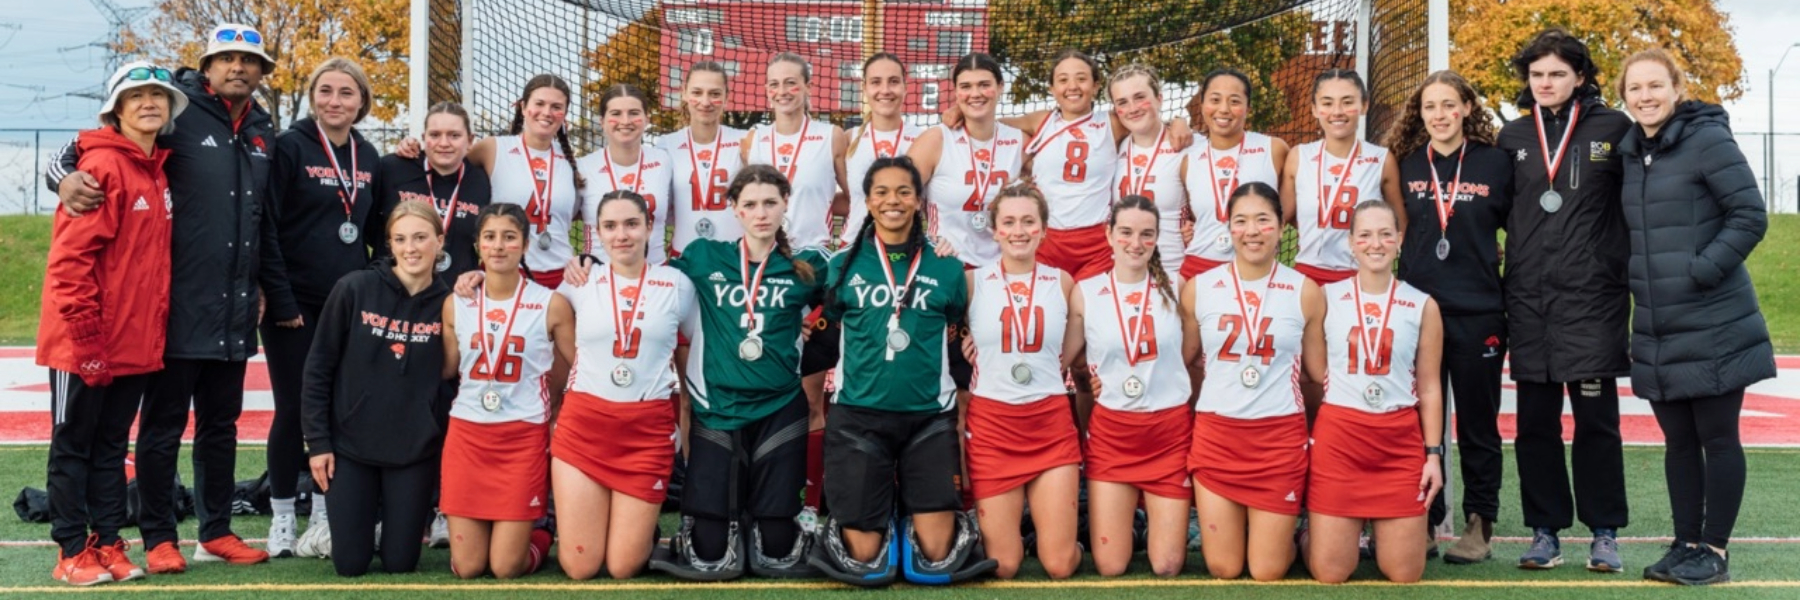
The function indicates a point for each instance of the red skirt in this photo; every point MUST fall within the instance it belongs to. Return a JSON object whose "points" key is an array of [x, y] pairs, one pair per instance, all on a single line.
{"points": [[551, 279], [1323, 276], [1194, 265], [495, 471], [1259, 463], [1366, 465], [1082, 252], [1010, 444], [1146, 450], [628, 447]]}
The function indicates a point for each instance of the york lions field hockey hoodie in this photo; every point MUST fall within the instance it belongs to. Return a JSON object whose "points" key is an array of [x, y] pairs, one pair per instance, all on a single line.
{"points": [[374, 389], [307, 210]]}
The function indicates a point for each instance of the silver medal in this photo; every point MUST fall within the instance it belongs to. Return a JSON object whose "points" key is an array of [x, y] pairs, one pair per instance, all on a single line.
{"points": [[750, 349], [1443, 248], [1372, 395], [979, 221], [443, 262], [347, 233], [1133, 388], [1551, 201], [704, 228], [1250, 376], [898, 340], [543, 242], [621, 376], [1021, 374], [490, 400]]}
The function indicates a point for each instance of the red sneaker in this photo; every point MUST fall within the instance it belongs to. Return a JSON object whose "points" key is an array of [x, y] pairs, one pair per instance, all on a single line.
{"points": [[117, 563], [82, 569], [165, 559], [231, 549]]}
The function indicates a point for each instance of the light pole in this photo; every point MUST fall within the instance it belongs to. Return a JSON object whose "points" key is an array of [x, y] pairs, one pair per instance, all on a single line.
{"points": [[1769, 144]]}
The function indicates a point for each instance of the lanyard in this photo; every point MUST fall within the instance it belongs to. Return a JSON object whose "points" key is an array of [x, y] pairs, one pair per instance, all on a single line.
{"points": [[1444, 209], [1371, 343], [1223, 195], [888, 271], [1135, 334], [637, 180], [983, 177], [875, 142], [541, 195], [1137, 187], [703, 195], [799, 145], [1252, 319], [1325, 198], [751, 283], [1021, 325], [488, 353], [1038, 143], [448, 209], [346, 184], [624, 319], [1552, 163]]}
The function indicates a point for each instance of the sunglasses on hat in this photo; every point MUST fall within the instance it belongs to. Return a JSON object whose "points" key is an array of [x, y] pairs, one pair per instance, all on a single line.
{"points": [[235, 35], [147, 73]]}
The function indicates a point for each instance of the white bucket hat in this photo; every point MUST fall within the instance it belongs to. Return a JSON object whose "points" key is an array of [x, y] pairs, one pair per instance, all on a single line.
{"points": [[140, 74], [237, 37]]}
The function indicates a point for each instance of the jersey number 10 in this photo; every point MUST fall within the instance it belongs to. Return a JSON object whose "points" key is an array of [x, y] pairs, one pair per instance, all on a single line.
{"points": [[1381, 363], [1009, 326]]}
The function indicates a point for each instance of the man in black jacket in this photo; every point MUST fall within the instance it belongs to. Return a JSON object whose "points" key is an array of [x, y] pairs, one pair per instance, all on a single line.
{"points": [[218, 173], [1566, 298]]}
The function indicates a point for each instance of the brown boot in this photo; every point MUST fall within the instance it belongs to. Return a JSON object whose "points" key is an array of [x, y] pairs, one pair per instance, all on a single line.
{"points": [[1473, 546]]}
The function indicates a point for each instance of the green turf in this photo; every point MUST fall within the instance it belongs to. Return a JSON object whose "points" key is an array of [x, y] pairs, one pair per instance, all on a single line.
{"points": [[1775, 480], [25, 243], [1775, 267]]}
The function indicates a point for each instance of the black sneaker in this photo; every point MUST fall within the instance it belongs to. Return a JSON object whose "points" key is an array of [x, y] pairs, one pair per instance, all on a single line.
{"points": [[1659, 570], [1702, 567]]}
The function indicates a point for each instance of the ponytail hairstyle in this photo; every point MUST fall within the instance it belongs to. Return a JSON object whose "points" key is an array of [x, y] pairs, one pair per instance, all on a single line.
{"points": [[562, 133], [451, 108], [509, 212], [1157, 274], [761, 173], [1362, 90], [705, 66], [868, 111], [421, 210], [625, 90], [805, 76], [915, 238], [1022, 187]]}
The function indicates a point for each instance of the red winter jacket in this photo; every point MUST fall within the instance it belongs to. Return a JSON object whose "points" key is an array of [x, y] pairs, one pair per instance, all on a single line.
{"points": [[106, 287]]}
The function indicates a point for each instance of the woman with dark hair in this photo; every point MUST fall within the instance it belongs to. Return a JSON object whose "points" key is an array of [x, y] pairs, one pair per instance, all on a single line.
{"points": [[965, 167], [1458, 189], [1232, 156], [1323, 181], [1697, 336], [626, 163], [1566, 302], [891, 438], [533, 166], [747, 444], [442, 179], [519, 338]]}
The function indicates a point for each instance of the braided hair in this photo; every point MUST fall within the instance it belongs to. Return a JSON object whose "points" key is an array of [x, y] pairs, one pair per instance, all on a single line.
{"points": [[867, 228], [1157, 274], [768, 174], [562, 133]]}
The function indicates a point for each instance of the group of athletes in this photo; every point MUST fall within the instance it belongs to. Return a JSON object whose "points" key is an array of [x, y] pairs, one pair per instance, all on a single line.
{"points": [[490, 363]]}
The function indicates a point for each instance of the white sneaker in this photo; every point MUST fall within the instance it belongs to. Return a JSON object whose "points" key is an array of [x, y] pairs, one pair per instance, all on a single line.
{"points": [[316, 542], [281, 536], [378, 536], [440, 532]]}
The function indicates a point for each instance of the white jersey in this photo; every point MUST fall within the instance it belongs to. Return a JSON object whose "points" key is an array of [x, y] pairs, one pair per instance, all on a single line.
{"points": [[653, 177], [1212, 174], [868, 146], [636, 366], [518, 179], [1324, 213], [1355, 379], [1000, 348], [1274, 389], [811, 170], [970, 174], [1155, 173], [1159, 370], [1073, 166], [517, 370], [699, 205]]}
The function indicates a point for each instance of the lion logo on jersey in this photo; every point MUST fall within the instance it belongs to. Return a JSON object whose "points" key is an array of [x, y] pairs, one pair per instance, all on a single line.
{"points": [[399, 350], [1336, 170], [1139, 161], [1371, 312], [984, 155], [540, 169], [630, 295], [705, 155], [497, 315], [1134, 298], [883, 148], [1018, 288], [1252, 299], [1226, 164], [784, 151], [1077, 133], [629, 179]]}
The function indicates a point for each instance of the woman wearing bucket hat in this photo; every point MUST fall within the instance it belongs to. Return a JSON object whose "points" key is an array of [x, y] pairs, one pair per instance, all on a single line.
{"points": [[104, 269]]}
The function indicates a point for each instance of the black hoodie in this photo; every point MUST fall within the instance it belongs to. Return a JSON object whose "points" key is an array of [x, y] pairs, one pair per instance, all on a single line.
{"points": [[401, 179], [306, 205], [374, 389]]}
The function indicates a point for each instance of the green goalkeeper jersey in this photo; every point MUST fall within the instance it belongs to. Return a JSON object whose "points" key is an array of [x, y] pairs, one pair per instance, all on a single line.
{"points": [[871, 373], [729, 390]]}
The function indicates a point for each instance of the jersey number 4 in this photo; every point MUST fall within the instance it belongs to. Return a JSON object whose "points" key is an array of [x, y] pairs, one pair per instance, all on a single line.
{"points": [[509, 363], [1381, 363], [1233, 326], [1009, 326]]}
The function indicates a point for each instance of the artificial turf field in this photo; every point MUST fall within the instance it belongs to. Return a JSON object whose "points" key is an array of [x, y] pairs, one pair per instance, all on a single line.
{"points": [[1765, 560]]}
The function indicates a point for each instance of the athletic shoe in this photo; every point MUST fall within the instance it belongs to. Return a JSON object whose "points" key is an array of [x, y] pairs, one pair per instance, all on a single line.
{"points": [[165, 559], [1659, 570], [118, 563], [82, 569], [1545, 551], [281, 536], [231, 549], [1473, 546], [440, 532], [378, 536], [1193, 532], [1702, 567], [1603, 553], [316, 542]]}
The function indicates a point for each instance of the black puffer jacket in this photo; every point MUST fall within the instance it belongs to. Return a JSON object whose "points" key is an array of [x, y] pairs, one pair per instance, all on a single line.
{"points": [[1695, 214], [1566, 302]]}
